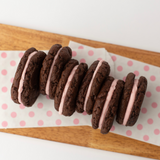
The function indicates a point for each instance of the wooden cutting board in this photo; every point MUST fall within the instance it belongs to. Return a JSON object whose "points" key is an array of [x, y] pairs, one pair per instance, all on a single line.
{"points": [[15, 38]]}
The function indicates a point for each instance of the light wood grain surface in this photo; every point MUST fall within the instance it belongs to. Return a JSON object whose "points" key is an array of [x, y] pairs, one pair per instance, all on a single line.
{"points": [[15, 38]]}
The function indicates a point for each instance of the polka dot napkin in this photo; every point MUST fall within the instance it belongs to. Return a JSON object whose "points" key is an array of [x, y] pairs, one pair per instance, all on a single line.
{"points": [[147, 128], [43, 114]]}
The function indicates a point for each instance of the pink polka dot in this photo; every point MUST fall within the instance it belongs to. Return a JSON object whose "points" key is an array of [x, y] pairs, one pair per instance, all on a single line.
{"points": [[124, 79], [40, 123], [4, 89], [21, 54], [152, 78], [74, 53], [80, 47], [158, 88], [12, 80], [145, 138], [144, 110], [159, 115], [84, 113], [148, 94], [154, 105], [4, 72], [40, 105], [146, 68], [12, 63], [3, 55], [4, 123], [139, 127], [4, 106], [47, 96], [150, 121], [136, 73], [114, 58], [130, 63], [49, 113], [22, 106], [99, 59], [22, 123], [119, 68], [13, 114], [129, 133], [156, 131], [82, 61], [58, 122], [76, 121], [113, 128], [31, 114], [90, 53]]}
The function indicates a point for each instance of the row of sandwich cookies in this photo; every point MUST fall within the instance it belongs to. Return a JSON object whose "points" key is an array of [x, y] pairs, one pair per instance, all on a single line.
{"points": [[75, 87]]}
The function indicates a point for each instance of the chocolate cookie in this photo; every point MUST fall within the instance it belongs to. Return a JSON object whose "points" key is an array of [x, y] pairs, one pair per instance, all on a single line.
{"points": [[52, 68], [131, 101], [91, 85], [25, 87], [106, 105], [67, 103], [63, 80]]}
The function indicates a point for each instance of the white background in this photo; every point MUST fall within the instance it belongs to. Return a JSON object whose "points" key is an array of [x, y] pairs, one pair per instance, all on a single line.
{"points": [[133, 23]]}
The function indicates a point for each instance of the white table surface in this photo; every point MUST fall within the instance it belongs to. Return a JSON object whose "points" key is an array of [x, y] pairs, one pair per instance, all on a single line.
{"points": [[13, 147], [123, 22], [133, 23]]}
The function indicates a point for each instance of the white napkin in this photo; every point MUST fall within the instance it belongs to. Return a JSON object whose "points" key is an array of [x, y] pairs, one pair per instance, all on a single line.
{"points": [[43, 114], [147, 128]]}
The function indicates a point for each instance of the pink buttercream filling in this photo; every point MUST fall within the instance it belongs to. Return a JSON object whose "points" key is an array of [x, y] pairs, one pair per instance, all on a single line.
{"points": [[107, 101], [131, 102], [66, 89], [20, 88], [90, 85]]}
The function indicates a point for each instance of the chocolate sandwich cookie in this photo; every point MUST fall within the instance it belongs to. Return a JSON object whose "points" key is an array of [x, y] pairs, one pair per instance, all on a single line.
{"points": [[91, 86], [106, 105], [68, 87], [52, 68], [131, 101], [63, 80], [25, 87]]}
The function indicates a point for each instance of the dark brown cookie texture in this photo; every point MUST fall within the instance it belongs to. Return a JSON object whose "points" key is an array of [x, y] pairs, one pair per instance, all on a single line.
{"points": [[64, 55], [112, 107], [141, 89], [72, 92], [97, 80], [63, 80], [99, 104], [84, 87], [46, 67], [30, 90], [129, 82]]}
